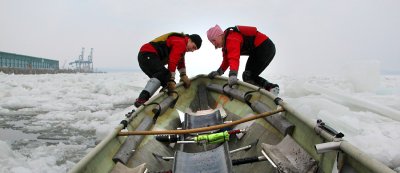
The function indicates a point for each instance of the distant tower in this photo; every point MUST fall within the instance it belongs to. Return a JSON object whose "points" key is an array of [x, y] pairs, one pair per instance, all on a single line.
{"points": [[82, 65], [90, 60], [80, 59]]}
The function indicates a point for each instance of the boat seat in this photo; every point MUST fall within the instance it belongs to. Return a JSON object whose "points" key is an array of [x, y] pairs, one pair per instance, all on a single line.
{"points": [[278, 120], [216, 160], [290, 157], [197, 121]]}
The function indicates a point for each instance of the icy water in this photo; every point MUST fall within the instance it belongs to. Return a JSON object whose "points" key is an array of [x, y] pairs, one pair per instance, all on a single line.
{"points": [[49, 122]]}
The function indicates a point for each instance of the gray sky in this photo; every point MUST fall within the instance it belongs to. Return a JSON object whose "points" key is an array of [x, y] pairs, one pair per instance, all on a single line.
{"points": [[311, 36]]}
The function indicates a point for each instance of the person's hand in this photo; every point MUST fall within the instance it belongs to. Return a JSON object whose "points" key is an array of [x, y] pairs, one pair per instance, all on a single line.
{"points": [[212, 75], [233, 80], [171, 85], [185, 79]]}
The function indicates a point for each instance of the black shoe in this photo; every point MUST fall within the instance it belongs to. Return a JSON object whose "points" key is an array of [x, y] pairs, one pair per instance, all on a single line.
{"points": [[143, 97], [273, 88]]}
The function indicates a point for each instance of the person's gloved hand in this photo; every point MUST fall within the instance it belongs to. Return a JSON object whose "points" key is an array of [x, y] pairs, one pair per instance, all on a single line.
{"points": [[233, 80], [212, 75], [185, 79], [171, 85]]}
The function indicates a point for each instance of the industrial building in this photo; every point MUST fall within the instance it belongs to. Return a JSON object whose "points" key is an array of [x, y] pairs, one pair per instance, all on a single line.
{"points": [[22, 64]]}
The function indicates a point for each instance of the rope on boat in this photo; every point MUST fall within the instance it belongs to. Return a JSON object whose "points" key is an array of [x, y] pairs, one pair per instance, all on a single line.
{"points": [[202, 129]]}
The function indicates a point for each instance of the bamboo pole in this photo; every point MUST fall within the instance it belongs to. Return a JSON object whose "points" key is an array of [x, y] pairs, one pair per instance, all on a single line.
{"points": [[202, 129]]}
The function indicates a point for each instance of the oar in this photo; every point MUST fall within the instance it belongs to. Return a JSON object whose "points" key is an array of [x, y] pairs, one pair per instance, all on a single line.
{"points": [[203, 129]]}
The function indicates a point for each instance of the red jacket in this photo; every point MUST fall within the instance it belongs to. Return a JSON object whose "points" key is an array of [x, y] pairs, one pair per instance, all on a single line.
{"points": [[177, 50], [232, 49]]}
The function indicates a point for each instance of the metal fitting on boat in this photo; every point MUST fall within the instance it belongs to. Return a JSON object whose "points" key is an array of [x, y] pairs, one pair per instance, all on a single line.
{"points": [[326, 147]]}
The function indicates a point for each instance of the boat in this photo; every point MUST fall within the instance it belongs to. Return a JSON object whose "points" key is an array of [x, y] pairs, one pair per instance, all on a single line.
{"points": [[214, 127]]}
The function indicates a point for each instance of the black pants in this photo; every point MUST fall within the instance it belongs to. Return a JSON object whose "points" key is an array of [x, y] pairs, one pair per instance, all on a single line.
{"points": [[258, 61], [152, 65]]}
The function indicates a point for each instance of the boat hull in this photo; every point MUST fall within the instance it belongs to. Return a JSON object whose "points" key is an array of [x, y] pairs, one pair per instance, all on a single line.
{"points": [[236, 104]]}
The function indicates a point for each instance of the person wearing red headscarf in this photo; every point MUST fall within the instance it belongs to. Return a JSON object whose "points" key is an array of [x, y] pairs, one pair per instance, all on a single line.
{"points": [[244, 40]]}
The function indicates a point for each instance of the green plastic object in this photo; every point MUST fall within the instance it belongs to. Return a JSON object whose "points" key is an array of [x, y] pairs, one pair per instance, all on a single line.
{"points": [[214, 138]]}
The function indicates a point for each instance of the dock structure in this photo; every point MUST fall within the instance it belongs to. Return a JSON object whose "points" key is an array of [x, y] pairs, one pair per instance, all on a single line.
{"points": [[82, 65], [12, 63]]}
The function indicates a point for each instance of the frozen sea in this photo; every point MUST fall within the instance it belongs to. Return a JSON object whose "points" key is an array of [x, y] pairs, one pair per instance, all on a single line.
{"points": [[49, 122]]}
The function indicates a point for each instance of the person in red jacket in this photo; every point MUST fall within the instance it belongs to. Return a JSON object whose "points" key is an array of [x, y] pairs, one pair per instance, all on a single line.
{"points": [[168, 49], [244, 40]]}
